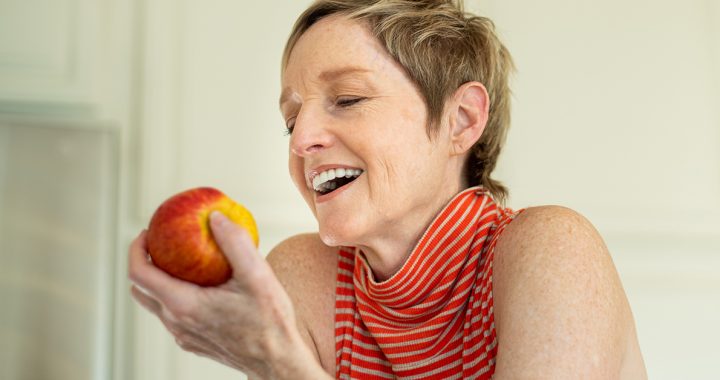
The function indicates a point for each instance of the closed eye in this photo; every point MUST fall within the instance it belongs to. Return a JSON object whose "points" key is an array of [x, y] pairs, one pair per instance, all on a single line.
{"points": [[348, 101], [342, 102], [289, 126]]}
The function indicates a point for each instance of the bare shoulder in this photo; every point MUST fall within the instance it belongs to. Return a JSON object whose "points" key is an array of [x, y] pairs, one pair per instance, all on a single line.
{"points": [[560, 308], [307, 269], [549, 231], [303, 260]]}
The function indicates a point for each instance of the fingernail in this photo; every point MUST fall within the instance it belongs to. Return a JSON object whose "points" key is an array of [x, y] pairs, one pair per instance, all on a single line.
{"points": [[217, 217]]}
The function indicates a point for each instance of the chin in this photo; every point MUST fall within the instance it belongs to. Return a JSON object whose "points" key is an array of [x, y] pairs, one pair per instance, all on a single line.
{"points": [[339, 233], [332, 237], [329, 239]]}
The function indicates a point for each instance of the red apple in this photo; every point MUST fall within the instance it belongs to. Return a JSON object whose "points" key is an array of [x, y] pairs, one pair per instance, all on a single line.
{"points": [[180, 241]]}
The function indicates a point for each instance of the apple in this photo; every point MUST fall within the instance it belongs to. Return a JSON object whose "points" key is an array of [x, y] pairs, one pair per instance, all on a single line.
{"points": [[180, 241]]}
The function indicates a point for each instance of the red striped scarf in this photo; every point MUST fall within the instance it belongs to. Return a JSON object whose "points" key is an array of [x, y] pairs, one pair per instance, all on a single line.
{"points": [[434, 317]]}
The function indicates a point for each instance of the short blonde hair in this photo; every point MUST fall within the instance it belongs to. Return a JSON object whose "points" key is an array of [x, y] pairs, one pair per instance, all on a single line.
{"points": [[441, 47]]}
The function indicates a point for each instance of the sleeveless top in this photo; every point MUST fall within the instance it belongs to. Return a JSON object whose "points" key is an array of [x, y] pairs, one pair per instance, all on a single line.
{"points": [[434, 317]]}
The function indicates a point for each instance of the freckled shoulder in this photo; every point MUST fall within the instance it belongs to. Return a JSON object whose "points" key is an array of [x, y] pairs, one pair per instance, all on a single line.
{"points": [[560, 309], [307, 269]]}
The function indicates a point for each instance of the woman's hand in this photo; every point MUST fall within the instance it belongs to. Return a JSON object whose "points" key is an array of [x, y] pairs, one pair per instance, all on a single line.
{"points": [[247, 323]]}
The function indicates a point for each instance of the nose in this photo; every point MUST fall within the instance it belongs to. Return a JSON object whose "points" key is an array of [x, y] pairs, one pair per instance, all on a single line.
{"points": [[310, 133]]}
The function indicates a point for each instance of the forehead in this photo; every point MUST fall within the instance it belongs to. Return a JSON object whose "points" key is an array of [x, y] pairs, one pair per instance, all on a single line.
{"points": [[335, 43]]}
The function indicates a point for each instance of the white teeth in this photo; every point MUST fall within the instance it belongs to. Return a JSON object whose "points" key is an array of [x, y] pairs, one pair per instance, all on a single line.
{"points": [[316, 182], [322, 180]]}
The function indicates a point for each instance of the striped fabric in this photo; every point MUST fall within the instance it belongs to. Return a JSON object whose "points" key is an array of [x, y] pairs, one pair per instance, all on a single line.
{"points": [[434, 317]]}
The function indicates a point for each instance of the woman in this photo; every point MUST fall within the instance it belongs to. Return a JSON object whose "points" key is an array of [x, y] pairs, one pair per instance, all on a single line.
{"points": [[397, 111]]}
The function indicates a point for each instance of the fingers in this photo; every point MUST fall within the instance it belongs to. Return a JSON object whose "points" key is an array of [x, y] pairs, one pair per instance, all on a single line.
{"points": [[235, 242], [151, 279], [146, 301], [184, 338]]}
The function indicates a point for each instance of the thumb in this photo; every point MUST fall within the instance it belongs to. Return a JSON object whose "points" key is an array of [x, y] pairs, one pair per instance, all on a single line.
{"points": [[235, 242]]}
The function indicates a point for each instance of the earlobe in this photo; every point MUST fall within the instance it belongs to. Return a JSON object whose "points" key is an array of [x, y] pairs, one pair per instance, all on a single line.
{"points": [[471, 107]]}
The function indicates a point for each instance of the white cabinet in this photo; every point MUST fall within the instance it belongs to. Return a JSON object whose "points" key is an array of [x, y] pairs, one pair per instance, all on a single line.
{"points": [[65, 112], [48, 51], [58, 197], [67, 58]]}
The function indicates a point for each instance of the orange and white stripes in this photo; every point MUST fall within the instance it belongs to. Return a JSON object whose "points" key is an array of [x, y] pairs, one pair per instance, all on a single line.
{"points": [[434, 317]]}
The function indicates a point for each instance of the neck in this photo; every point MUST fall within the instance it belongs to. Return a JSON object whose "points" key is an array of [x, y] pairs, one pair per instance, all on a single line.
{"points": [[389, 250], [386, 256]]}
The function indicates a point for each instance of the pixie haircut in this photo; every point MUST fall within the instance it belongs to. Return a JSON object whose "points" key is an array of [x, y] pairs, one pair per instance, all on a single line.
{"points": [[441, 47]]}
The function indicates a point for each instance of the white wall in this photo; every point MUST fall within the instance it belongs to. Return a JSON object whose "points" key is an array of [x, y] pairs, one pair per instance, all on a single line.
{"points": [[617, 115], [210, 117]]}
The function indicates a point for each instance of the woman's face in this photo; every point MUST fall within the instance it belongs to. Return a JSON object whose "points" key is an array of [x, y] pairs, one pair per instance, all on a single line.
{"points": [[351, 107]]}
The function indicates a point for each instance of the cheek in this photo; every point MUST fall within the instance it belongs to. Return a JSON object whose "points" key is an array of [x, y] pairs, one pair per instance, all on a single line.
{"points": [[296, 172]]}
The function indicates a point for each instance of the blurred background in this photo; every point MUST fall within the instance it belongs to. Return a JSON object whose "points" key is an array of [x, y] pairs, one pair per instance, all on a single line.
{"points": [[108, 107]]}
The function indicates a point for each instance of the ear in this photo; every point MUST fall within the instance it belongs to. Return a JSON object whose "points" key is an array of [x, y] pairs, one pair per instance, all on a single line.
{"points": [[468, 116]]}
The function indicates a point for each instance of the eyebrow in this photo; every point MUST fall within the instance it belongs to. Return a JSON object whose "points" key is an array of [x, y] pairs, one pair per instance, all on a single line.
{"points": [[328, 75]]}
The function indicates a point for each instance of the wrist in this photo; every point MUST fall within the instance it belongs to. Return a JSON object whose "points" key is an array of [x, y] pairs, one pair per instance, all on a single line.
{"points": [[294, 360]]}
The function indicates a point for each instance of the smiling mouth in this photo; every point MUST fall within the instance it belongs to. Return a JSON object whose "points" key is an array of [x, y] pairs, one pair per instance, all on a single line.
{"points": [[333, 179]]}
